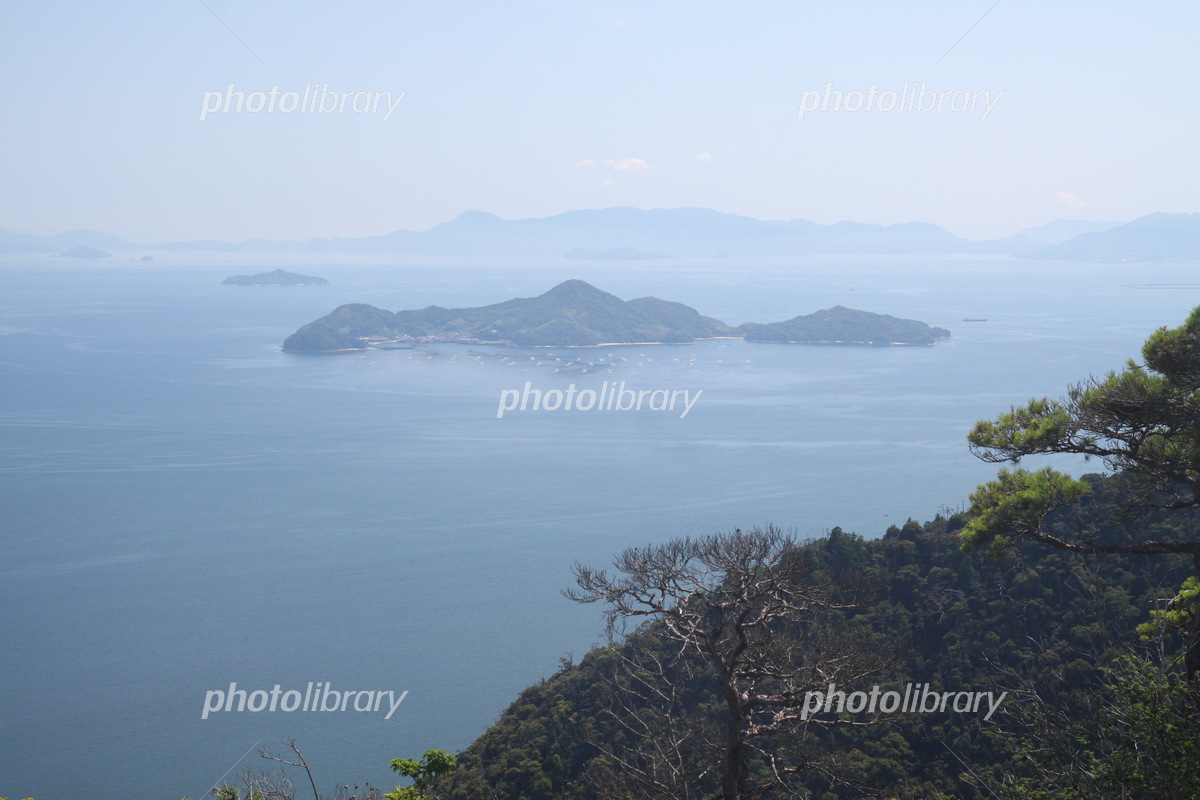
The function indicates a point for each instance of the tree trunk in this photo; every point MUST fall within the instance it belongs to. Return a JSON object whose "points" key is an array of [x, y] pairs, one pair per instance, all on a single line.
{"points": [[733, 779], [733, 774]]}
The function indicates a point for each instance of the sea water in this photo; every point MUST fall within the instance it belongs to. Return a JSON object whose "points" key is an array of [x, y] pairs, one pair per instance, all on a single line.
{"points": [[185, 506]]}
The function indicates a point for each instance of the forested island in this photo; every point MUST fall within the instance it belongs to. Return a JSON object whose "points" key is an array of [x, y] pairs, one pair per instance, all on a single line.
{"points": [[577, 314], [841, 325], [276, 277]]}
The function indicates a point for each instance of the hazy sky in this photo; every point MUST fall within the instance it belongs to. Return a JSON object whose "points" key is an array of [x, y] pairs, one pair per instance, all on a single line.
{"points": [[529, 109]]}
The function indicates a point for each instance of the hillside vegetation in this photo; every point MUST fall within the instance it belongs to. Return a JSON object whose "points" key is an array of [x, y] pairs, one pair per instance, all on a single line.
{"points": [[1035, 621]]}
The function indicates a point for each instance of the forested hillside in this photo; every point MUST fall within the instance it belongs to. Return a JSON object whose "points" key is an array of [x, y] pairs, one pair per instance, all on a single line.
{"points": [[1036, 620]]}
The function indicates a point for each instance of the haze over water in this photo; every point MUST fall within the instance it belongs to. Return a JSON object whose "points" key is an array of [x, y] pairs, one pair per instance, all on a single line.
{"points": [[186, 506]]}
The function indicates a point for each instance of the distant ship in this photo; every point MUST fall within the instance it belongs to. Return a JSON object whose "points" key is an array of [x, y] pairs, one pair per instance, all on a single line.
{"points": [[973, 319]]}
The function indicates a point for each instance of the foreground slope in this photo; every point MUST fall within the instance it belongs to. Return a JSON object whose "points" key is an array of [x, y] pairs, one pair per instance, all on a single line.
{"points": [[956, 621]]}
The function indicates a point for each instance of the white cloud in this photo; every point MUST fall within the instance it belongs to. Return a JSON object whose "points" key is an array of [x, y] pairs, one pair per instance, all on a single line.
{"points": [[607, 184], [624, 164], [1071, 200], [705, 156], [587, 162]]}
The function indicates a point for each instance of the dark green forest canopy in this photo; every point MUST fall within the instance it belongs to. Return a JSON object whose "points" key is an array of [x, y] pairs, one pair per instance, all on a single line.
{"points": [[1143, 423], [958, 620]]}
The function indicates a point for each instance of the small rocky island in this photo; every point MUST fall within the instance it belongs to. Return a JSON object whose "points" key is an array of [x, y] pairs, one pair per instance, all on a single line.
{"points": [[577, 314], [277, 277]]}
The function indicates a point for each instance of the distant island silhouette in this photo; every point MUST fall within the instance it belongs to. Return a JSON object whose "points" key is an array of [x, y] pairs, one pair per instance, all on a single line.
{"points": [[83, 251], [277, 277], [577, 314]]}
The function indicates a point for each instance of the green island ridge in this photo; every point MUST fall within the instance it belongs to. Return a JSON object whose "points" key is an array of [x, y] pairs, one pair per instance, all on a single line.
{"points": [[577, 314], [276, 277]]}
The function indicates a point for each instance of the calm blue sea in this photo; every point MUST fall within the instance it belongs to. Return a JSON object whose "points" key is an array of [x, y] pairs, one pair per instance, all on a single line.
{"points": [[185, 506]]}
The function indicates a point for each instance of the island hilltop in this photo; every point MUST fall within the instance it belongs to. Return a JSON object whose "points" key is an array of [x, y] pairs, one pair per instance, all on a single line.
{"points": [[277, 277], [577, 314]]}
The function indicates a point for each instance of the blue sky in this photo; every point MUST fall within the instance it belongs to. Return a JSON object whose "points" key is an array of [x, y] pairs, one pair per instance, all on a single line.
{"points": [[673, 104]]}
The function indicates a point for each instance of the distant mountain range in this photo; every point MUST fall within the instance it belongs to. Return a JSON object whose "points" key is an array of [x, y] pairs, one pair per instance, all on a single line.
{"points": [[1062, 229], [629, 233], [59, 242], [1156, 237], [577, 314]]}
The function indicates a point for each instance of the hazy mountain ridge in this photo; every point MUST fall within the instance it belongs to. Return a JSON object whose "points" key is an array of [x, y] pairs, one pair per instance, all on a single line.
{"points": [[624, 233], [1155, 237], [680, 232], [1060, 230], [28, 243]]}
